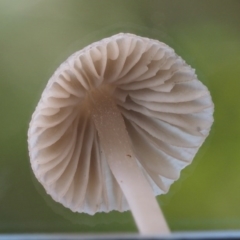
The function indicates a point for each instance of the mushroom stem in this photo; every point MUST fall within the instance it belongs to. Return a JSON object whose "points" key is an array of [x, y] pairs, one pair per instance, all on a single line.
{"points": [[117, 147]]}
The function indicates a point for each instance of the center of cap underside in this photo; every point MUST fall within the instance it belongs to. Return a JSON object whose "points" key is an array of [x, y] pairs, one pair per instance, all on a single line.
{"points": [[99, 95]]}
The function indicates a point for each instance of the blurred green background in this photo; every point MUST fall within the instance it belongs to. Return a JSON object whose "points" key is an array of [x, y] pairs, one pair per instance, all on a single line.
{"points": [[37, 35]]}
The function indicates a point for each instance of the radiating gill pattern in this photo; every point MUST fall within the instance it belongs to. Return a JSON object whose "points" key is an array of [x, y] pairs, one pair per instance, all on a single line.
{"points": [[166, 109]]}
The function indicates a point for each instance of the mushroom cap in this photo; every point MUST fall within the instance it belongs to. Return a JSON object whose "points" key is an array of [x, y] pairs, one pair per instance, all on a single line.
{"points": [[166, 109]]}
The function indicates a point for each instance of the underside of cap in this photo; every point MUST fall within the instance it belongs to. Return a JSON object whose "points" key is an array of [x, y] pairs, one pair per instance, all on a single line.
{"points": [[166, 109]]}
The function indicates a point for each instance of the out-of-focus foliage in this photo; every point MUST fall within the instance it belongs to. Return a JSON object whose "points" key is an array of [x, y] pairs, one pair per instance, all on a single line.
{"points": [[36, 36]]}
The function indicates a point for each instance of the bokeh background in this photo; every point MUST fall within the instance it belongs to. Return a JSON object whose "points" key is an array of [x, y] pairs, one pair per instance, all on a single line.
{"points": [[36, 36]]}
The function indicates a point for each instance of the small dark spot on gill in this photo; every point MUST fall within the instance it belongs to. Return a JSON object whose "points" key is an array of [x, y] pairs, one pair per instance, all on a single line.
{"points": [[128, 155]]}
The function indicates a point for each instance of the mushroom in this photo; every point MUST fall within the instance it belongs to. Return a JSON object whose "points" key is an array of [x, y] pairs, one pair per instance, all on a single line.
{"points": [[115, 125]]}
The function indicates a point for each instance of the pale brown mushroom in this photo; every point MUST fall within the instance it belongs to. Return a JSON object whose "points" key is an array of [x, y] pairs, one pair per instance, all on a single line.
{"points": [[116, 124]]}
